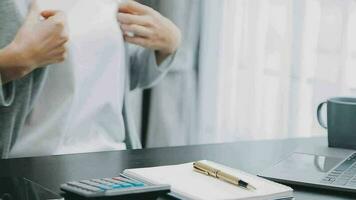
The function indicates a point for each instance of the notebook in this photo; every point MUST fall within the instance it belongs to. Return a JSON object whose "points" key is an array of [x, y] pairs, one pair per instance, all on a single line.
{"points": [[189, 184]]}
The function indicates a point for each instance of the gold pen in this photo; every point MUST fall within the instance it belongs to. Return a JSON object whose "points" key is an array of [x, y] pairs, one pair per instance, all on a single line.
{"points": [[210, 171]]}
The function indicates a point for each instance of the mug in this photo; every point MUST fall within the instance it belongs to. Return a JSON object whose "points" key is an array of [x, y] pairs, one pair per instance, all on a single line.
{"points": [[341, 121]]}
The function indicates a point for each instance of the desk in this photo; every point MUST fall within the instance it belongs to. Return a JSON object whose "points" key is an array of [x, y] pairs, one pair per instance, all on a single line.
{"points": [[251, 156]]}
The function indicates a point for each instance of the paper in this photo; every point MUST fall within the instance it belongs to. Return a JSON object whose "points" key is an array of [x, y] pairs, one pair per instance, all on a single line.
{"points": [[193, 185]]}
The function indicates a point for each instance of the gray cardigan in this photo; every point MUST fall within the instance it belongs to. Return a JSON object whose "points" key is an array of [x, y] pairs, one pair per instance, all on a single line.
{"points": [[17, 97]]}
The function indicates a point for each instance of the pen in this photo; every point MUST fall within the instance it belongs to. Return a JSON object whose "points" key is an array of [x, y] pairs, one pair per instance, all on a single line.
{"points": [[210, 171]]}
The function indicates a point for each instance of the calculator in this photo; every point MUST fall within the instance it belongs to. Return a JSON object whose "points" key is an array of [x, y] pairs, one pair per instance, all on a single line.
{"points": [[104, 188]]}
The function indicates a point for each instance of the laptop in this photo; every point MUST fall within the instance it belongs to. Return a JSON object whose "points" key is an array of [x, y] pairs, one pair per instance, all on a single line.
{"points": [[326, 168]]}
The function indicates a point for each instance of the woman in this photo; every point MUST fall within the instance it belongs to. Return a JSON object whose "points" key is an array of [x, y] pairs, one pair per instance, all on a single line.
{"points": [[61, 109]]}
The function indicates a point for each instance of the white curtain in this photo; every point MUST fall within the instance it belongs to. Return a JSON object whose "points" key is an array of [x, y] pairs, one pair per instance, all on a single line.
{"points": [[278, 60]]}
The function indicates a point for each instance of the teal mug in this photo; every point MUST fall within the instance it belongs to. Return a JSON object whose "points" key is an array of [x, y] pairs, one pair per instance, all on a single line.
{"points": [[341, 121]]}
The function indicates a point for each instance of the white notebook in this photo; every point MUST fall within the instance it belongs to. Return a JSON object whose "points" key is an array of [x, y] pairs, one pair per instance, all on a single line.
{"points": [[188, 184]]}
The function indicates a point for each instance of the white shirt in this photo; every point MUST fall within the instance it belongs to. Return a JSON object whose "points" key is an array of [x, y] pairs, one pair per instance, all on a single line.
{"points": [[80, 105]]}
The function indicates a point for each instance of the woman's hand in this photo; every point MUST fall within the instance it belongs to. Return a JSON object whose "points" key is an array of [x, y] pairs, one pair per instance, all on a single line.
{"points": [[37, 43], [146, 27]]}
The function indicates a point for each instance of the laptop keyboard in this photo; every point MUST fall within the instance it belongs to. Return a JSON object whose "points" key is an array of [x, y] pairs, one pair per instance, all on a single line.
{"points": [[344, 174]]}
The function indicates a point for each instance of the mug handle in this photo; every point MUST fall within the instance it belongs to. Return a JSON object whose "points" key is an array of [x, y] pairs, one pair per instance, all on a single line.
{"points": [[321, 122]]}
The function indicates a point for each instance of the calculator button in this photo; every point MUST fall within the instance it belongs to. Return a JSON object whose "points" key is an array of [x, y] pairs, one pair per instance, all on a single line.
{"points": [[84, 186], [123, 184], [138, 184], [133, 182], [96, 185], [112, 184], [126, 185], [104, 187], [116, 186], [102, 182], [109, 185], [109, 181], [115, 181], [122, 179]]}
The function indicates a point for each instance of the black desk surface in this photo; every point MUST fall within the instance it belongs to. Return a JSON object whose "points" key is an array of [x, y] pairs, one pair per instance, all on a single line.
{"points": [[251, 156]]}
